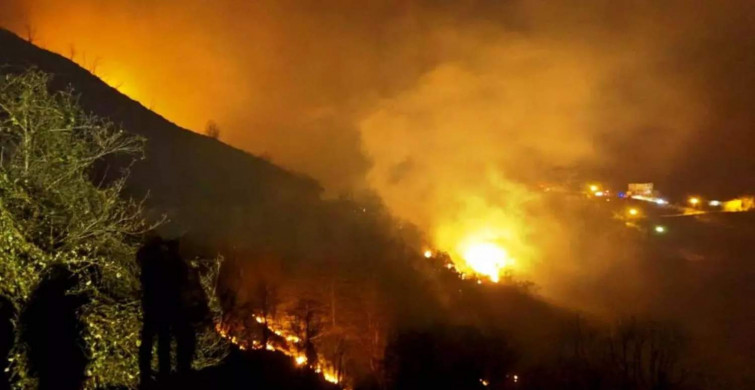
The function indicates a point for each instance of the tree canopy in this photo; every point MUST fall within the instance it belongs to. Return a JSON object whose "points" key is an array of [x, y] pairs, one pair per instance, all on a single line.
{"points": [[61, 206]]}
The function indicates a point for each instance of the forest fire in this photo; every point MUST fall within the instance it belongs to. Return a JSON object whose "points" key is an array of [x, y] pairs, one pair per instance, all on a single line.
{"points": [[377, 195], [483, 254], [481, 259], [285, 343], [487, 258]]}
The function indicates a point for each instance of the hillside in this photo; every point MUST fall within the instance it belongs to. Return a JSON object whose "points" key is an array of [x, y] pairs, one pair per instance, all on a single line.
{"points": [[208, 189], [346, 287]]}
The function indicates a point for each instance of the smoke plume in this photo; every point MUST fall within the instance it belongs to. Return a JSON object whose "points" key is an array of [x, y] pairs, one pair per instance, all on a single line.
{"points": [[452, 112]]}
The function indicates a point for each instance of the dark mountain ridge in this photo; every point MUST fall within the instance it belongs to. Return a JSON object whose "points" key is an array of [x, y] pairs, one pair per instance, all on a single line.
{"points": [[208, 190]]}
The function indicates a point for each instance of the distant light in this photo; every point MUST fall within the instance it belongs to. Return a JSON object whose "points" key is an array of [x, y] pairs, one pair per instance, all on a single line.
{"points": [[694, 201], [599, 193], [660, 229], [594, 188], [650, 199], [428, 254], [622, 195], [516, 378], [484, 382], [633, 212], [714, 203]]}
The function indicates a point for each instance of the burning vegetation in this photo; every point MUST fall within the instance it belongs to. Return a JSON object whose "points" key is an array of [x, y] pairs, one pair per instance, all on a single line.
{"points": [[426, 257], [274, 337]]}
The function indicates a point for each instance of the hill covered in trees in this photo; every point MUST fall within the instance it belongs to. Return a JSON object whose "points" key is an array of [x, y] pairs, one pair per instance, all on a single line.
{"points": [[340, 285]]}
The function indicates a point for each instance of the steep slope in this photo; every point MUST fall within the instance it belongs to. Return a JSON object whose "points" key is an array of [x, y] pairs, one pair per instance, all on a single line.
{"points": [[210, 191]]}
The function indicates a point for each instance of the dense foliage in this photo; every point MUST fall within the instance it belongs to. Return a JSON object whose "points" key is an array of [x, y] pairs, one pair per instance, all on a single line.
{"points": [[61, 206]]}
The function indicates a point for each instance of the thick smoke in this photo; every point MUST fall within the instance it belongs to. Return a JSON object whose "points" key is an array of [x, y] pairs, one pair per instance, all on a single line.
{"points": [[450, 111]]}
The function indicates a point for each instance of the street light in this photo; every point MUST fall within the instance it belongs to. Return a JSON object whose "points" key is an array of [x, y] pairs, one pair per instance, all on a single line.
{"points": [[694, 201], [660, 229], [633, 212]]}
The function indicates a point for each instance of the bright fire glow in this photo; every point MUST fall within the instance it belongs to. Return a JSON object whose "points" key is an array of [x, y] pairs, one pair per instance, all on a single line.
{"points": [[487, 258], [428, 254], [330, 377], [288, 348], [745, 203], [486, 238]]}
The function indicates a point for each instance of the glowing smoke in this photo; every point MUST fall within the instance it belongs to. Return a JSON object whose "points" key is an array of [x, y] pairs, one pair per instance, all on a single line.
{"points": [[448, 111]]}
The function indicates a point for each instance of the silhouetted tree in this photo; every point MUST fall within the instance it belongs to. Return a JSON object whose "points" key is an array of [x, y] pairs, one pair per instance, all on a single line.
{"points": [[212, 130], [265, 303], [31, 32], [628, 354], [645, 354], [444, 357], [71, 52], [307, 324]]}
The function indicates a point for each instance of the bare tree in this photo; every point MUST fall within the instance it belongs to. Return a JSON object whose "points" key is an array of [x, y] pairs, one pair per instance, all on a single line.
{"points": [[71, 52], [212, 130], [646, 354], [31, 32], [307, 325], [92, 67], [265, 303]]}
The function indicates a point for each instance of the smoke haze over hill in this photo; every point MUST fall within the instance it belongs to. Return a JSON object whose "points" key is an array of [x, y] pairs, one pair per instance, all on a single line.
{"points": [[536, 85], [450, 112]]}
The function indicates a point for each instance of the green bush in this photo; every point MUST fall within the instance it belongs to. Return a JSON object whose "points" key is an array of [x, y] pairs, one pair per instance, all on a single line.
{"points": [[56, 211]]}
